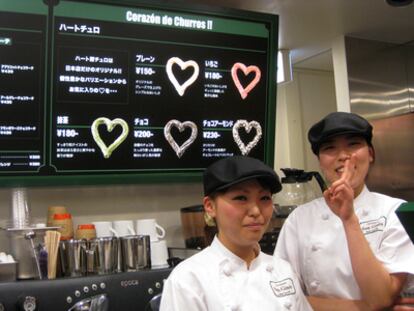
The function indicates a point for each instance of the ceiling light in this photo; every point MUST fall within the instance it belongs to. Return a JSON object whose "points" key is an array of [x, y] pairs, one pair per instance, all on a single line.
{"points": [[284, 66]]}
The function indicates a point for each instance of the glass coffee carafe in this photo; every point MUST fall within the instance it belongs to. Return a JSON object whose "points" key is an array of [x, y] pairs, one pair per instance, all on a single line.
{"points": [[297, 189]]}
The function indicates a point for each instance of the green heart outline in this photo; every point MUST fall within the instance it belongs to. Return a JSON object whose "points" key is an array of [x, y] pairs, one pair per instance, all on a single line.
{"points": [[110, 125]]}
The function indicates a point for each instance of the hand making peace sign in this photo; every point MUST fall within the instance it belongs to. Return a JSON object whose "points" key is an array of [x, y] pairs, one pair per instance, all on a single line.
{"points": [[340, 195]]}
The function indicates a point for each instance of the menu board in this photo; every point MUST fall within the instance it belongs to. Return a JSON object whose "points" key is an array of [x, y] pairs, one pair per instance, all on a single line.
{"points": [[127, 93], [22, 83]]}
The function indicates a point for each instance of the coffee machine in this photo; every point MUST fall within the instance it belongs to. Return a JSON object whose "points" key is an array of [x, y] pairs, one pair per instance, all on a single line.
{"points": [[127, 291], [297, 189]]}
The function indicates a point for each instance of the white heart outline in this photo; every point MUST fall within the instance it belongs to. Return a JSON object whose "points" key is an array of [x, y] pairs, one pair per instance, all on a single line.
{"points": [[110, 125], [183, 65], [179, 150], [245, 150]]}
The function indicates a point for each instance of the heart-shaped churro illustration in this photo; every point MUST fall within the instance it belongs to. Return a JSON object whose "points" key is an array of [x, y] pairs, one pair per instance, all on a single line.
{"points": [[180, 88], [248, 127], [179, 150], [246, 70], [110, 125]]}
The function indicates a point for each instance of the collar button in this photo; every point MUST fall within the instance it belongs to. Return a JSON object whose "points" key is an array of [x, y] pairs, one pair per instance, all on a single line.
{"points": [[227, 270], [314, 284]]}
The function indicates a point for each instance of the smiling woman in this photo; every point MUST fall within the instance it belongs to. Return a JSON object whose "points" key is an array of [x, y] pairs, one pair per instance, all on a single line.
{"points": [[351, 235], [232, 273]]}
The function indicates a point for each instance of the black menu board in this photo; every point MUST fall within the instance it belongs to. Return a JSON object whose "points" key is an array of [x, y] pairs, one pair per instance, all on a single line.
{"points": [[22, 87], [133, 92]]}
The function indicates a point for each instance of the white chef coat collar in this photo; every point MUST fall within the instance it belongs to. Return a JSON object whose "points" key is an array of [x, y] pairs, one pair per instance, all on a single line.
{"points": [[227, 256], [362, 199]]}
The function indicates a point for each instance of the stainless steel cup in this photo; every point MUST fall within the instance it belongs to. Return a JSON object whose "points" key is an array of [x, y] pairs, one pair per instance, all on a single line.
{"points": [[103, 255], [136, 252], [73, 257]]}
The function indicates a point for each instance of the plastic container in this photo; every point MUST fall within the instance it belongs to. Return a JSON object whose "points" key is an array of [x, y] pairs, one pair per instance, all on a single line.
{"points": [[52, 210], [64, 221], [86, 231]]}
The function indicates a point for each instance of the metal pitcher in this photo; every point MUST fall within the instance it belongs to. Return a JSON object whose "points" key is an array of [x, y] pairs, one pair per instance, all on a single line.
{"points": [[136, 252], [102, 255], [73, 257]]}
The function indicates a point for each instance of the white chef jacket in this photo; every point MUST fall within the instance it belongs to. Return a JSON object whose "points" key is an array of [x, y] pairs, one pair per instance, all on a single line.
{"points": [[313, 241], [217, 280]]}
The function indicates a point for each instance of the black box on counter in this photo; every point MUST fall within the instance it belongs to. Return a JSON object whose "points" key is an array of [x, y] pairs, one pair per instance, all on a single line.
{"points": [[8, 271]]}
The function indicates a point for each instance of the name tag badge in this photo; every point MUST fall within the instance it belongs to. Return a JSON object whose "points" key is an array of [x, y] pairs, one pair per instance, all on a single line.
{"points": [[283, 288], [373, 225]]}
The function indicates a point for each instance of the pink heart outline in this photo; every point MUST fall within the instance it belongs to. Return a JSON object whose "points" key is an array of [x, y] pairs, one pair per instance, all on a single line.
{"points": [[246, 70]]}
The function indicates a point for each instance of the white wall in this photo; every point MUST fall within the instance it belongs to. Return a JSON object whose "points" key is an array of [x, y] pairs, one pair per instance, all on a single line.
{"points": [[341, 74], [301, 103]]}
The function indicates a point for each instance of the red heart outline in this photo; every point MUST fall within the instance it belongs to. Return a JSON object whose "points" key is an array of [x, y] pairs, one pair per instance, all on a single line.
{"points": [[246, 70]]}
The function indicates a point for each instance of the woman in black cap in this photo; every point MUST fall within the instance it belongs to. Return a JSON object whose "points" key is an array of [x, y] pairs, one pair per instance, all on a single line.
{"points": [[348, 247], [232, 273]]}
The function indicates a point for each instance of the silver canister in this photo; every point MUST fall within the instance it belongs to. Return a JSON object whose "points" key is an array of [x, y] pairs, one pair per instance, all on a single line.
{"points": [[23, 243], [73, 257], [136, 252], [103, 255]]}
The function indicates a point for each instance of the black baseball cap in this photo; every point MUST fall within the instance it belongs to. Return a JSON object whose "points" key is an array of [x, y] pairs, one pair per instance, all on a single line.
{"points": [[227, 172], [338, 123]]}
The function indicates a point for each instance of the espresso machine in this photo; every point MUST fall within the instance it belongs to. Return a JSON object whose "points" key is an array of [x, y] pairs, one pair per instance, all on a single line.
{"points": [[128, 291]]}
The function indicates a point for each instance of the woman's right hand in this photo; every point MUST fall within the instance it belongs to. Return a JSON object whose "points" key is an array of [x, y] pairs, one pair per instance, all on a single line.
{"points": [[340, 195]]}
